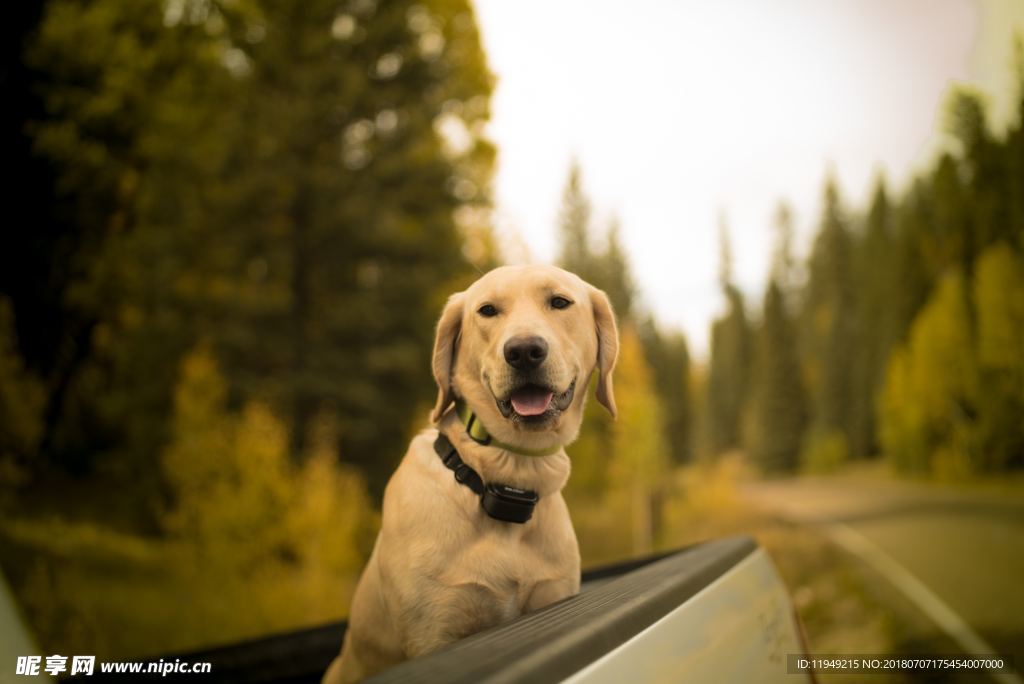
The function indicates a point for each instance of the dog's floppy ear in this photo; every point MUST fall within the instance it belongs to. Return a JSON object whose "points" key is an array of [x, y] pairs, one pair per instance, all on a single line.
{"points": [[445, 344], [607, 347]]}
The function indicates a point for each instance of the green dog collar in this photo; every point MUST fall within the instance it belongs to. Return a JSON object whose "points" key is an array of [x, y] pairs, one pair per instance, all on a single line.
{"points": [[479, 434]]}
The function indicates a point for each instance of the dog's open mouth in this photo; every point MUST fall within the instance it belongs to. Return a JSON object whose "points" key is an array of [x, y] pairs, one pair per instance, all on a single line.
{"points": [[531, 400], [535, 402]]}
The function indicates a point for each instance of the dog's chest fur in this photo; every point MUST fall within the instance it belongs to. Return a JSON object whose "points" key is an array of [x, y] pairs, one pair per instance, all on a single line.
{"points": [[506, 568], [455, 560]]}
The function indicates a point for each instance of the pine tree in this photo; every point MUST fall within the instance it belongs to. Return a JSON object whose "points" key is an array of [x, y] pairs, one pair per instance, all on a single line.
{"points": [[614, 275], [877, 281], [574, 230], [607, 269], [668, 356], [829, 330], [912, 224], [982, 171], [778, 411], [728, 375]]}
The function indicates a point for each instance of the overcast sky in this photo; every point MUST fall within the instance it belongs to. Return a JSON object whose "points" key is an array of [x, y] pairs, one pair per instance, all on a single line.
{"points": [[681, 110]]}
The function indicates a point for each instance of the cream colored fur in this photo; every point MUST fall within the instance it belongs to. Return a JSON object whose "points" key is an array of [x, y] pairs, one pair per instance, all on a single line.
{"points": [[441, 569]]}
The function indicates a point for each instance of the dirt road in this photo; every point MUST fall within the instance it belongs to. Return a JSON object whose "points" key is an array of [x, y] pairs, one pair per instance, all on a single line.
{"points": [[957, 555]]}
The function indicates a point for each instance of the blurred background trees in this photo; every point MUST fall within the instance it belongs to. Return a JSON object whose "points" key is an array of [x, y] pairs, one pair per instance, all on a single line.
{"points": [[299, 196], [233, 225], [897, 333]]}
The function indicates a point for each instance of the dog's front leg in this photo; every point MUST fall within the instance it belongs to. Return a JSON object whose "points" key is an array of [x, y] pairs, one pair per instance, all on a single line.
{"points": [[371, 642], [452, 613]]}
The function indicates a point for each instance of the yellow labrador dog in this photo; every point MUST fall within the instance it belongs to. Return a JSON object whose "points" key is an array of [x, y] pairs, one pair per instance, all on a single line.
{"points": [[474, 529]]}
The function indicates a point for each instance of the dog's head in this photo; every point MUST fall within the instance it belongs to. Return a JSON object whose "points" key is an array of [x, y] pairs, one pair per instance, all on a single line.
{"points": [[519, 347]]}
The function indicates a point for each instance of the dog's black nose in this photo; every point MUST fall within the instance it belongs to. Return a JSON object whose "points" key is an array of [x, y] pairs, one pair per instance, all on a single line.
{"points": [[526, 353]]}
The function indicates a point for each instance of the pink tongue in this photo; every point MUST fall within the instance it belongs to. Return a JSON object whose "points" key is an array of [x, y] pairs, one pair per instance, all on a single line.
{"points": [[531, 401]]}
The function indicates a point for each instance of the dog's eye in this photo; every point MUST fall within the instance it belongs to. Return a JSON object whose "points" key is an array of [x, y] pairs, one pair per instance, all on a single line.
{"points": [[560, 303], [487, 311]]}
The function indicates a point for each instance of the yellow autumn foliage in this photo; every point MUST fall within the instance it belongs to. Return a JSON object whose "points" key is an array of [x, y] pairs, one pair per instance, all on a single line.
{"points": [[253, 543]]}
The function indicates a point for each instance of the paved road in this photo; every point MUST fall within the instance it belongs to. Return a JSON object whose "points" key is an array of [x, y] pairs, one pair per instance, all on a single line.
{"points": [[959, 555]]}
